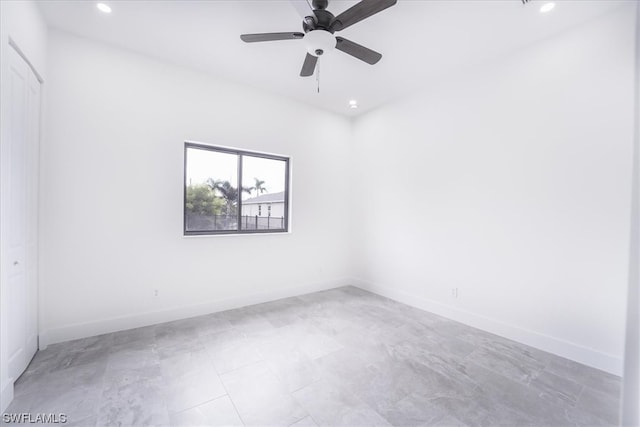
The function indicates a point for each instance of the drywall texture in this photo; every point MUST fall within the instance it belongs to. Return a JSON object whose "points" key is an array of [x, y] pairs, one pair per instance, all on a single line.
{"points": [[511, 184], [113, 192]]}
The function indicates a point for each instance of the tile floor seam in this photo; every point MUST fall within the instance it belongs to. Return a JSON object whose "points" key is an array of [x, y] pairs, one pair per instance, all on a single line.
{"points": [[235, 408], [238, 368], [306, 385], [199, 404], [441, 372]]}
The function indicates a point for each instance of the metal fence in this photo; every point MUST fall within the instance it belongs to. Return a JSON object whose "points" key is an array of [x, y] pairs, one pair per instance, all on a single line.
{"points": [[262, 222], [196, 222]]}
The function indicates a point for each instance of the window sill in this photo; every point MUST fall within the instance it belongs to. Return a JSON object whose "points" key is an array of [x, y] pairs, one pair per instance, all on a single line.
{"points": [[277, 233]]}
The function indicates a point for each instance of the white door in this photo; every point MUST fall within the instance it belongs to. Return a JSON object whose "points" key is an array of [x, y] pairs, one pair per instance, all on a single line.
{"points": [[20, 200]]}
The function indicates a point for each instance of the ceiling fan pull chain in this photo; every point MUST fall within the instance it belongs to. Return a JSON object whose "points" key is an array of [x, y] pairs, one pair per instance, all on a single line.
{"points": [[318, 76]]}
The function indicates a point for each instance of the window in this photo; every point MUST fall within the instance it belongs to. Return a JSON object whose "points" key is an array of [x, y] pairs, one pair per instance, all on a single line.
{"points": [[224, 190]]}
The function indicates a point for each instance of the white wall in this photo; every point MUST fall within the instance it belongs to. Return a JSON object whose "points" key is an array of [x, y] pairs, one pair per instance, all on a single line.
{"points": [[510, 183], [21, 22], [631, 380], [113, 188], [514, 178]]}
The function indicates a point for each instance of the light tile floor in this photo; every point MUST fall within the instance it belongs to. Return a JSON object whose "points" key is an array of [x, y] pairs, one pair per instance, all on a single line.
{"points": [[343, 357]]}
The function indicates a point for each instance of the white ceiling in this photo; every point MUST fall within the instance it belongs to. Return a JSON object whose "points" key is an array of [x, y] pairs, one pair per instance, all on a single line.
{"points": [[420, 40]]}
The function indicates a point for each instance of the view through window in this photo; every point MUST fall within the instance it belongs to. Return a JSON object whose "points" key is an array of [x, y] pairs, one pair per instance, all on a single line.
{"points": [[215, 204]]}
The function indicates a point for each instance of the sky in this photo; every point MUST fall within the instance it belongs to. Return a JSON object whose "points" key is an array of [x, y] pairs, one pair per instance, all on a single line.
{"points": [[203, 164]]}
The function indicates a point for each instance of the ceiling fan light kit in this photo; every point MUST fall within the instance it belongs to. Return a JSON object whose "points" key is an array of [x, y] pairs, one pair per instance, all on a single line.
{"points": [[319, 42], [319, 28]]}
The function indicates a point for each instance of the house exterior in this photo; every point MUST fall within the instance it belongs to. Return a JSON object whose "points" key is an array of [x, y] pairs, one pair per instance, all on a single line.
{"points": [[265, 205]]}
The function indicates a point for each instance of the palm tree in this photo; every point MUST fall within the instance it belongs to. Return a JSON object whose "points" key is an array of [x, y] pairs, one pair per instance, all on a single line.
{"points": [[259, 187], [214, 184], [227, 191]]}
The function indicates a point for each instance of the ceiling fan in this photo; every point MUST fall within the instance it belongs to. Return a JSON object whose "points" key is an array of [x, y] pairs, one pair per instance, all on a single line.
{"points": [[319, 25]]}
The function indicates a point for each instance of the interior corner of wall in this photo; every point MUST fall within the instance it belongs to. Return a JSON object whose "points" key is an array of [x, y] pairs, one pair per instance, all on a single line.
{"points": [[43, 340]]}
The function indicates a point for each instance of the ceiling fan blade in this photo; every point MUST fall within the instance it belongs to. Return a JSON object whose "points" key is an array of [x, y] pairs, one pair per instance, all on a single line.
{"points": [[360, 11], [303, 7], [309, 65], [354, 49], [269, 37]]}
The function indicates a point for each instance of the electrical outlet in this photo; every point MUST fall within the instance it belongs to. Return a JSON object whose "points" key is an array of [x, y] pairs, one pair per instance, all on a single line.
{"points": [[156, 292], [454, 292]]}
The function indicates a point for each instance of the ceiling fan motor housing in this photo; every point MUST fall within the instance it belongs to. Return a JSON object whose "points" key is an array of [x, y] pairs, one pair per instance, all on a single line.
{"points": [[319, 42]]}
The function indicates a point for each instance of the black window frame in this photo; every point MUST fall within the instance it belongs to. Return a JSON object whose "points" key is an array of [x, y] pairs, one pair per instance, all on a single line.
{"points": [[239, 153]]}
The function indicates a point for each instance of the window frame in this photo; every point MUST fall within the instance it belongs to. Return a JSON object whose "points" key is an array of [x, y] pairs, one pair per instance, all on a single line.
{"points": [[239, 153]]}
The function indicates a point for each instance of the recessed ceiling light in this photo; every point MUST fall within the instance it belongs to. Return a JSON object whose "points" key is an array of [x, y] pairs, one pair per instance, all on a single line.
{"points": [[103, 8], [353, 103], [547, 7]]}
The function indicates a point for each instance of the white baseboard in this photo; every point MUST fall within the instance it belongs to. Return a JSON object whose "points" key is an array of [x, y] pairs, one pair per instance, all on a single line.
{"points": [[550, 344], [6, 395], [560, 347], [88, 329]]}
